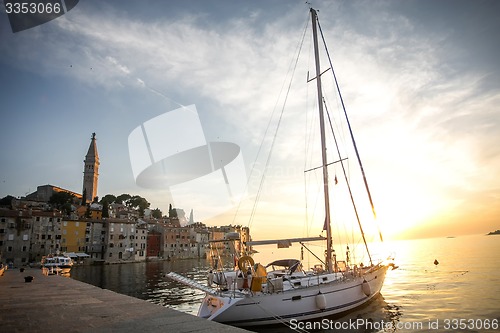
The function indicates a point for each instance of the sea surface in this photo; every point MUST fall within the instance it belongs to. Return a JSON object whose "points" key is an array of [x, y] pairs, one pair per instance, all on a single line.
{"points": [[461, 293]]}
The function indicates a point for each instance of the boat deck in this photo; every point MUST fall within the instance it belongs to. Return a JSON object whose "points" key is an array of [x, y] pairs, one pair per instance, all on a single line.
{"points": [[55, 303]]}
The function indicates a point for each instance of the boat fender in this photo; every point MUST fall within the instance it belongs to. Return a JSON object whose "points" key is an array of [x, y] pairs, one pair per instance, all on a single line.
{"points": [[245, 262], [321, 301], [210, 278], [365, 286]]}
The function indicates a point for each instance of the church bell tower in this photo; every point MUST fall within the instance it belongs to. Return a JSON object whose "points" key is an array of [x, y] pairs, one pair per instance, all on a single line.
{"points": [[91, 171]]}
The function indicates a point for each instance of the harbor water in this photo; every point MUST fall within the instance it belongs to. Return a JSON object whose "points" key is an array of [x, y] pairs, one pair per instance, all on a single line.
{"points": [[458, 292]]}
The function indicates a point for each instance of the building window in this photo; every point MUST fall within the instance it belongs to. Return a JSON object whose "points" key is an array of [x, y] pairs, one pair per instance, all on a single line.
{"points": [[10, 237], [23, 249], [26, 237]]}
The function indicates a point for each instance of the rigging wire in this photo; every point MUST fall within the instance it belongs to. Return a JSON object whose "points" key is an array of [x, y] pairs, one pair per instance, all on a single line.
{"points": [[259, 191], [347, 181], [264, 139], [350, 131]]}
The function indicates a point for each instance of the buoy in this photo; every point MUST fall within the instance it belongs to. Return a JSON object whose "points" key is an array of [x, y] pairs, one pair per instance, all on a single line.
{"points": [[321, 301], [436, 262], [245, 262], [365, 286]]}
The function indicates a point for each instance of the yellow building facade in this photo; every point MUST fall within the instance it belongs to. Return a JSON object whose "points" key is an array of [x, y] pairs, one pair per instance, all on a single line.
{"points": [[73, 234]]}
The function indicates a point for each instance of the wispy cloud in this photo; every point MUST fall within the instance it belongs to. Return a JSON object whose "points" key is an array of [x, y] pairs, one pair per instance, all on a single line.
{"points": [[423, 117]]}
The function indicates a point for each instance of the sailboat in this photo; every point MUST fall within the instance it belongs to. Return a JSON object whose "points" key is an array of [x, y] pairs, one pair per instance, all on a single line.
{"points": [[283, 291]]}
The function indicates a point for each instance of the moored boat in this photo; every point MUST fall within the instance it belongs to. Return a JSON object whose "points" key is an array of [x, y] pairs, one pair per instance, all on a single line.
{"points": [[283, 291], [57, 262]]}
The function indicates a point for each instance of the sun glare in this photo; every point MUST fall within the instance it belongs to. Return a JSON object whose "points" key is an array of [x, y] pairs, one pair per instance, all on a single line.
{"points": [[398, 215]]}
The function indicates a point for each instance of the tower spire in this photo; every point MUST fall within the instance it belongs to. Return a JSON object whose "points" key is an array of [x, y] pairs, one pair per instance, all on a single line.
{"points": [[91, 171]]}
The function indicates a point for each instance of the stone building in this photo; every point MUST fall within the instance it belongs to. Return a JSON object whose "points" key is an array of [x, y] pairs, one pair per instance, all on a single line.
{"points": [[15, 236], [141, 241], [179, 242], [95, 239], [44, 192], [154, 248], [125, 242], [45, 234]]}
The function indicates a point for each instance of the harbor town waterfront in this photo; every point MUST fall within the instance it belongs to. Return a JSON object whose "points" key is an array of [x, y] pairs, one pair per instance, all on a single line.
{"points": [[114, 229]]}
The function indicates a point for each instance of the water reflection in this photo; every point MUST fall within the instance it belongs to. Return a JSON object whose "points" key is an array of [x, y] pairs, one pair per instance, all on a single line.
{"points": [[147, 281]]}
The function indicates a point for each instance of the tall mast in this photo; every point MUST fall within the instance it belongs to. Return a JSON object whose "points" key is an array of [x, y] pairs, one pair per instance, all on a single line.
{"points": [[314, 19]]}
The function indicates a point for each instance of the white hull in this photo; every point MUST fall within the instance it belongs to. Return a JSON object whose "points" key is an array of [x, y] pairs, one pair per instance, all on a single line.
{"points": [[57, 261], [340, 293]]}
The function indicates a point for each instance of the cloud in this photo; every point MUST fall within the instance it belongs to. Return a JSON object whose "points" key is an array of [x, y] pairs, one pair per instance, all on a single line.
{"points": [[419, 104]]}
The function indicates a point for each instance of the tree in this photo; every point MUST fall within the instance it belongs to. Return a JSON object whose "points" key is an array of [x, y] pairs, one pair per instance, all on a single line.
{"points": [[6, 201], [172, 213], [84, 196], [62, 201], [109, 198], [156, 213], [123, 198], [139, 203], [105, 209], [87, 212]]}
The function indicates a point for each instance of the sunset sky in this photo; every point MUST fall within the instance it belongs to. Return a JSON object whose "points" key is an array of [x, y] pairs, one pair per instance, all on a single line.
{"points": [[420, 79]]}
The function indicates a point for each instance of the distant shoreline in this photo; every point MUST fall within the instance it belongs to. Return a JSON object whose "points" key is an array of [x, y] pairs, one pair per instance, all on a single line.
{"points": [[497, 232]]}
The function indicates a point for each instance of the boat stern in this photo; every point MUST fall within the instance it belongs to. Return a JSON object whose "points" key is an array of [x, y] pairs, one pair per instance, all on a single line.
{"points": [[213, 306]]}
